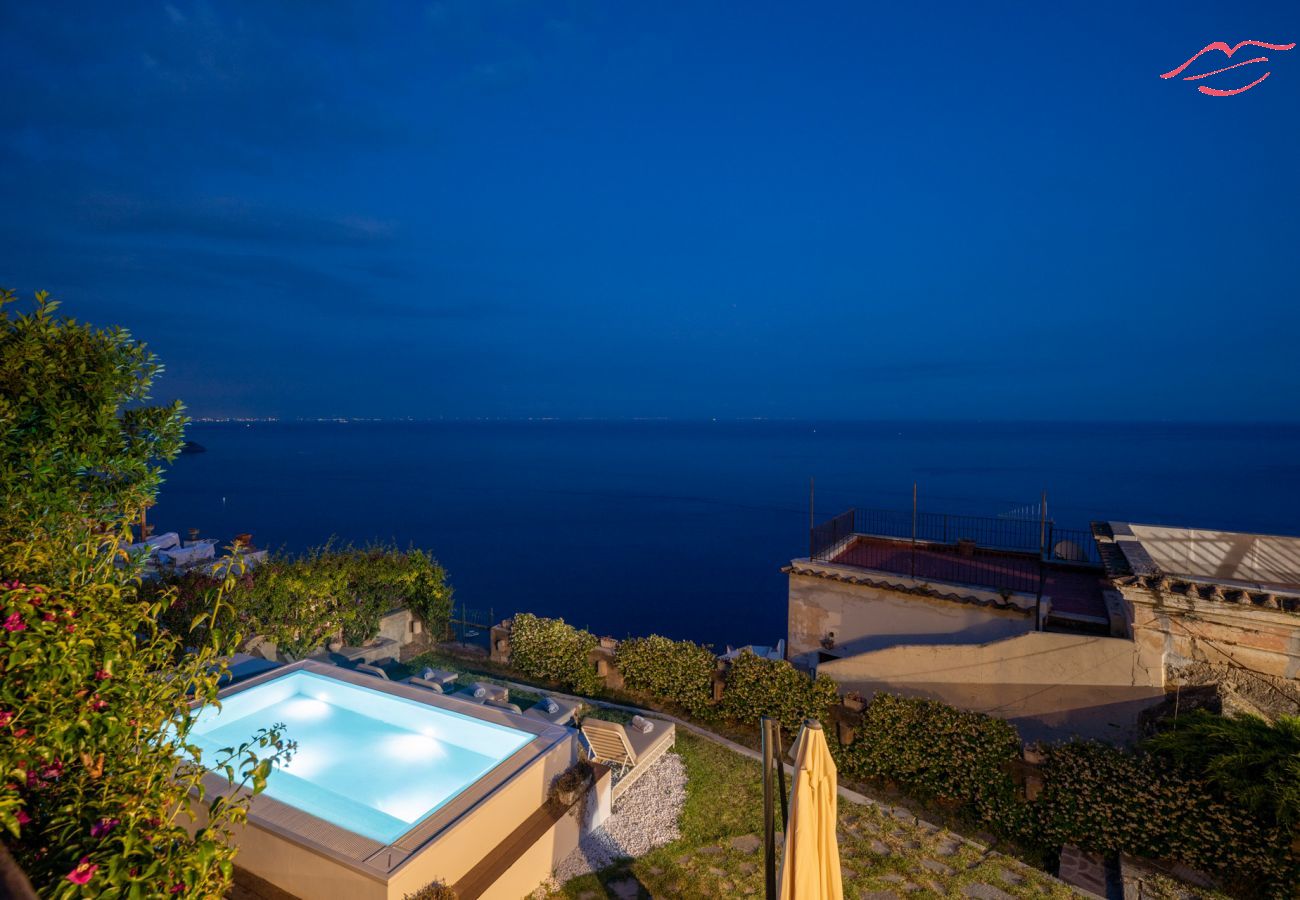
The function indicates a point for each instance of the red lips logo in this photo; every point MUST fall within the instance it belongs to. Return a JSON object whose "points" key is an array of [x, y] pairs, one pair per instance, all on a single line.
{"points": [[1227, 51]]}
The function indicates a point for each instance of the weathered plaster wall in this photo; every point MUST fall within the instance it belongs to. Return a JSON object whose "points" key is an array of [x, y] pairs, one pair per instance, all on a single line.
{"points": [[1047, 684], [866, 618], [1177, 629], [400, 625]]}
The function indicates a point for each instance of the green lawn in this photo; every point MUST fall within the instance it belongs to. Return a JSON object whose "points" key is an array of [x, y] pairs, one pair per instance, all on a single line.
{"points": [[719, 853]]}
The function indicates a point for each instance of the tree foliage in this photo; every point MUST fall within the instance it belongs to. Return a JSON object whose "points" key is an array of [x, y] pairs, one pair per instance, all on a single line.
{"points": [[75, 435], [99, 780]]}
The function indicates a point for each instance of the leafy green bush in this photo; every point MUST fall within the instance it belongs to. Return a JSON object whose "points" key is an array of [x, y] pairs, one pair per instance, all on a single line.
{"points": [[1107, 800], [938, 752], [417, 580], [1250, 761], [679, 672], [300, 603], [552, 650], [772, 687]]}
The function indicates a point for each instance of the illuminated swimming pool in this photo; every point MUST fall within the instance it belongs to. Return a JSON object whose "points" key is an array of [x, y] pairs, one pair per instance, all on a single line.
{"points": [[367, 761]]}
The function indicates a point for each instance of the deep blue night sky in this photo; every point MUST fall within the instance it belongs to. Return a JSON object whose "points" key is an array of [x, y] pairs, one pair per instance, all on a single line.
{"points": [[481, 208]]}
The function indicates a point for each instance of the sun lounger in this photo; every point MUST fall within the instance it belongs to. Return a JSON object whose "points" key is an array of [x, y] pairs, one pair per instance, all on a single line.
{"points": [[503, 704], [486, 690], [372, 670], [444, 677], [243, 665], [435, 686], [563, 714], [628, 750]]}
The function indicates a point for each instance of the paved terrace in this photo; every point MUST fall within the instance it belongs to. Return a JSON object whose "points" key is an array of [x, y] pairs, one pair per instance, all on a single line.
{"points": [[1075, 591]]}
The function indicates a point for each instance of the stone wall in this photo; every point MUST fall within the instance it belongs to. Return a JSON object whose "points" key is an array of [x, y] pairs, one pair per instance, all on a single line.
{"points": [[1181, 623]]}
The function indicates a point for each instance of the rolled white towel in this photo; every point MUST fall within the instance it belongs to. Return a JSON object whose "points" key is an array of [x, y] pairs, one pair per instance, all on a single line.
{"points": [[645, 726], [480, 692], [427, 674], [549, 706]]}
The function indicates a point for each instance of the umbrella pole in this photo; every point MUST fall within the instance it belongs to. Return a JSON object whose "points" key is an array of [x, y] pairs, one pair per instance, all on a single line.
{"points": [[769, 812], [780, 776]]}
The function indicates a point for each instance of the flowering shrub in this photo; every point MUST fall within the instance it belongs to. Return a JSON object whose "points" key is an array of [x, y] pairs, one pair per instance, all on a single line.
{"points": [[552, 650], [938, 752], [680, 672], [96, 767], [1109, 800], [384, 578], [98, 777], [772, 687]]}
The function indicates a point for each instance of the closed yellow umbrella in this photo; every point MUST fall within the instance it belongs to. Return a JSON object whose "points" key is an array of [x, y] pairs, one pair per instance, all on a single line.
{"points": [[810, 869]]}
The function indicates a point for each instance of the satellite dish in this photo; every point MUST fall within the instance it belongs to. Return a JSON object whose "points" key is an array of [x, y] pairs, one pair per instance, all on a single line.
{"points": [[1068, 550]]}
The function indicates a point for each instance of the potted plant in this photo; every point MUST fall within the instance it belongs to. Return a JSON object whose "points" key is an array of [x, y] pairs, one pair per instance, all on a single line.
{"points": [[572, 784]]}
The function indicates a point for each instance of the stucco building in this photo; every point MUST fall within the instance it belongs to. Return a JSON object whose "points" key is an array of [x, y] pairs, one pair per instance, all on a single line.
{"points": [[1062, 632]]}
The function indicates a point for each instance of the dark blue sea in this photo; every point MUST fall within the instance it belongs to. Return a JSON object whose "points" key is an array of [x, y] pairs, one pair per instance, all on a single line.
{"points": [[681, 528]]}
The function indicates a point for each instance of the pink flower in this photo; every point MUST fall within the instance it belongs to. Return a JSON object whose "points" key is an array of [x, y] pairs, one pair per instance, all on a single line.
{"points": [[22, 817], [5, 717], [48, 617], [98, 705], [103, 827], [102, 675], [84, 871], [178, 888], [15, 623], [71, 628]]}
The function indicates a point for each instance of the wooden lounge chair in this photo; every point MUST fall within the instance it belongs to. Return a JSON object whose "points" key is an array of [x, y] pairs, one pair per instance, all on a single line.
{"points": [[564, 711], [372, 670], [626, 749]]}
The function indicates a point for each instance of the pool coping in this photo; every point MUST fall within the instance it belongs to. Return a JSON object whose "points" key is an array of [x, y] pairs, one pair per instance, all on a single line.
{"points": [[368, 856]]}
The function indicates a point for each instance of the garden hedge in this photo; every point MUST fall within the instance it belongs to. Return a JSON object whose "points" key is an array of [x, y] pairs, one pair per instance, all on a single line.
{"points": [[757, 686], [552, 650], [679, 672], [1109, 800], [938, 752]]}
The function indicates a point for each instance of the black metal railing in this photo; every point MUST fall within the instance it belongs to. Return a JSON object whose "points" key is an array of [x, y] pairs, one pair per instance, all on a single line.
{"points": [[947, 542], [1022, 535], [826, 538]]}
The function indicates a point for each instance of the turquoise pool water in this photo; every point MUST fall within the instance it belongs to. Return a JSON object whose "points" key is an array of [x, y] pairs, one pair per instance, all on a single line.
{"points": [[367, 761]]}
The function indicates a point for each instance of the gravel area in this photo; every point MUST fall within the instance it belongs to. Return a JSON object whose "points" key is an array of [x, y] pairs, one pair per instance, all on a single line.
{"points": [[642, 819]]}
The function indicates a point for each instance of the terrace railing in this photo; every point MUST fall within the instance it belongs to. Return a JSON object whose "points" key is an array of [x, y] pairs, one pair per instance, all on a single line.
{"points": [[1038, 536]]}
